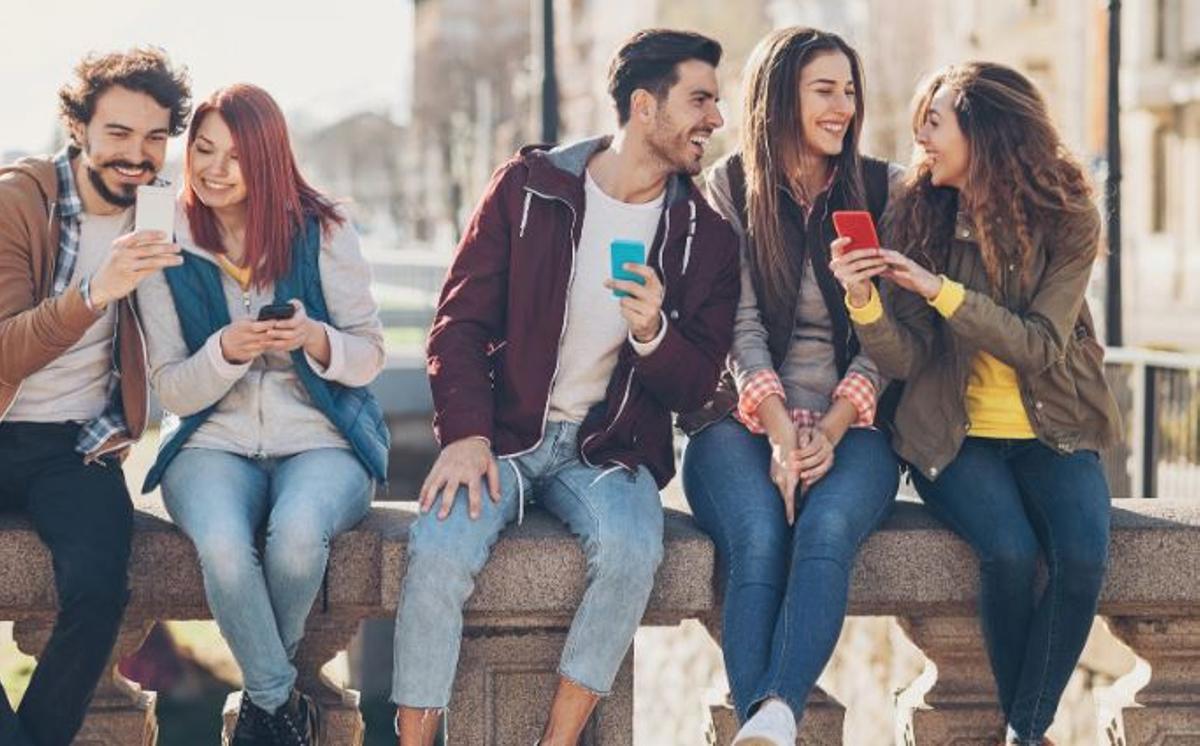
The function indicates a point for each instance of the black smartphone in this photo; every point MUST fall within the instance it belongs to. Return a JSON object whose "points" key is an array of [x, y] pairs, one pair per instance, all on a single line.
{"points": [[276, 312]]}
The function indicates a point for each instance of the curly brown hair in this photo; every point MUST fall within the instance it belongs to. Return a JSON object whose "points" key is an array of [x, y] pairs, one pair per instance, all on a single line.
{"points": [[1019, 173], [142, 69]]}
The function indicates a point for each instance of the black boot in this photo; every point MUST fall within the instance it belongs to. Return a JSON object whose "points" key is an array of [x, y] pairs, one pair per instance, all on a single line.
{"points": [[251, 728], [296, 722]]}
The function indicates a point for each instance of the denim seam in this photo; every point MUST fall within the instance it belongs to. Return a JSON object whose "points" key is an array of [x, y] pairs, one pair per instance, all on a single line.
{"points": [[724, 545], [1053, 566], [948, 518], [570, 645], [563, 674]]}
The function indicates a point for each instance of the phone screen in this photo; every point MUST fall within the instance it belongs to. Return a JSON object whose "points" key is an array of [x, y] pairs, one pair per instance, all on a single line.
{"points": [[624, 251], [155, 210], [276, 312]]}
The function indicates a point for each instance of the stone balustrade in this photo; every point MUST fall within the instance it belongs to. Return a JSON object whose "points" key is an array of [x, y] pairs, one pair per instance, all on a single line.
{"points": [[912, 569]]}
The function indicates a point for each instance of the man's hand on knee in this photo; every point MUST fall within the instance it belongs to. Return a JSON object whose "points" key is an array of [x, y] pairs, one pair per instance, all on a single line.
{"points": [[463, 462]]}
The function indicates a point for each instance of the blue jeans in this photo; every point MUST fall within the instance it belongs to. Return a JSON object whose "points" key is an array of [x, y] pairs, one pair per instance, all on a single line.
{"points": [[1010, 499], [220, 500], [618, 518], [785, 586]]}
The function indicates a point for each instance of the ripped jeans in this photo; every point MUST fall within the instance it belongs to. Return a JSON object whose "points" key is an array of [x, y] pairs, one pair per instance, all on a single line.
{"points": [[618, 518]]}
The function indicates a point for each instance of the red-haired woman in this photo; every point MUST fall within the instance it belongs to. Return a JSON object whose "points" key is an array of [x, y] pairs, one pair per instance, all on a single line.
{"points": [[270, 425]]}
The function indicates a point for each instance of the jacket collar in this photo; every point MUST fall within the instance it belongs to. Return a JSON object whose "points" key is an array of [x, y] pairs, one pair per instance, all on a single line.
{"points": [[70, 205], [558, 171]]}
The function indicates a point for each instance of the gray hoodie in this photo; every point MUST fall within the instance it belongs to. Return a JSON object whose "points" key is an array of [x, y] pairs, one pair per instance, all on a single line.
{"points": [[262, 408]]}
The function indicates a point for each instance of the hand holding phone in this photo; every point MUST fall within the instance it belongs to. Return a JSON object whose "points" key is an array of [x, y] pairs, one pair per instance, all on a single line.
{"points": [[856, 255], [626, 252], [155, 210], [858, 226]]}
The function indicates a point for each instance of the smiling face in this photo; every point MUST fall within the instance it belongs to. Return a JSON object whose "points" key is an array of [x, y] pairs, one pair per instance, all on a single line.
{"points": [[944, 146], [124, 145], [678, 126], [213, 170], [827, 104]]}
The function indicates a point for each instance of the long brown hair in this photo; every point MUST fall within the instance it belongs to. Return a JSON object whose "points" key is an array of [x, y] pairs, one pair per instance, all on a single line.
{"points": [[1019, 173], [771, 144], [278, 197]]}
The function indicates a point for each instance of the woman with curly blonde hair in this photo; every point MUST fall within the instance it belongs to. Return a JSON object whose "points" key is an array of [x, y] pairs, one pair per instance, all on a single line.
{"points": [[1005, 404]]}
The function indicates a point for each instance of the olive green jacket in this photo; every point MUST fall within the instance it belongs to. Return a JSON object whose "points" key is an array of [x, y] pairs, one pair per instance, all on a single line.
{"points": [[1043, 330]]}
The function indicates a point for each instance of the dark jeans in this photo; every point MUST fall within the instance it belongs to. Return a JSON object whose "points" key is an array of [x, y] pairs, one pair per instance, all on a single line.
{"points": [[84, 516], [1009, 499], [785, 586]]}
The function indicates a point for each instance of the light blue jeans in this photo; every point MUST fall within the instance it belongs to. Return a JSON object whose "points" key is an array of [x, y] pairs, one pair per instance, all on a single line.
{"points": [[618, 518], [221, 500]]}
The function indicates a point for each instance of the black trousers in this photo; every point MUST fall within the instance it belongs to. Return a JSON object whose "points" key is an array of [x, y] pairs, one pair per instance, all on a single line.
{"points": [[84, 515]]}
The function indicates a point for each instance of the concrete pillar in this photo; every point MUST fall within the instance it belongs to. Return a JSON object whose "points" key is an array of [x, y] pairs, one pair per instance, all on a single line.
{"points": [[955, 701], [505, 682], [121, 712], [1167, 709]]}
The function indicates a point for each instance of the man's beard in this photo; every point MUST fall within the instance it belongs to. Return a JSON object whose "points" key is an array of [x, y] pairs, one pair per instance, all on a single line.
{"points": [[127, 197], [667, 150]]}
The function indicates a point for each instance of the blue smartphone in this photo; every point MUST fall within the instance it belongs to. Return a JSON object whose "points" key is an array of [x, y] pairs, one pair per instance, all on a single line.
{"points": [[623, 252]]}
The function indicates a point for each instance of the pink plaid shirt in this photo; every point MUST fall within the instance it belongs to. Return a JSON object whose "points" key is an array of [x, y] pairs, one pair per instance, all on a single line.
{"points": [[854, 388]]}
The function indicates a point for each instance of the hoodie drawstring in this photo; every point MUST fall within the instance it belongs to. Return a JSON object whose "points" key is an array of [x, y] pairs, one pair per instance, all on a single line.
{"points": [[525, 214], [520, 490], [687, 247]]}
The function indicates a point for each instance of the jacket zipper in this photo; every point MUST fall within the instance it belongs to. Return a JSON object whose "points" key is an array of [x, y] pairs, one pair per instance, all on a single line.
{"points": [[662, 250], [612, 422], [563, 331]]}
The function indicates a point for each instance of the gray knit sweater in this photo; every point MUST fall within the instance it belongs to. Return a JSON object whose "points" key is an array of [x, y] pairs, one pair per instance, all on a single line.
{"points": [[262, 408]]}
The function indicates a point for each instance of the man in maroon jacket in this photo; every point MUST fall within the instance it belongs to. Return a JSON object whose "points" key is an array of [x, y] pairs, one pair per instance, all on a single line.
{"points": [[551, 379]]}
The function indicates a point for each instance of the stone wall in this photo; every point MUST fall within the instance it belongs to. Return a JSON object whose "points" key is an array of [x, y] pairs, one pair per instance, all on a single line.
{"points": [[912, 569]]}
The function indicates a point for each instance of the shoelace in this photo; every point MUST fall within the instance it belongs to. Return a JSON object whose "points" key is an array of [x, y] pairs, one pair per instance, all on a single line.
{"points": [[284, 716], [250, 718]]}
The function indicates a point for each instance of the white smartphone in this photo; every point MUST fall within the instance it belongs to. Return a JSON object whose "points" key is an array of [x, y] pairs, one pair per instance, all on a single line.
{"points": [[155, 210]]}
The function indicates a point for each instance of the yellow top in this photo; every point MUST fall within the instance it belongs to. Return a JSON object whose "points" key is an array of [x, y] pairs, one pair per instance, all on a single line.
{"points": [[241, 275], [993, 398]]}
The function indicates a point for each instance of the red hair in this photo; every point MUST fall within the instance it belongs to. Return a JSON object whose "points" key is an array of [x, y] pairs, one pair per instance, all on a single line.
{"points": [[278, 199]]}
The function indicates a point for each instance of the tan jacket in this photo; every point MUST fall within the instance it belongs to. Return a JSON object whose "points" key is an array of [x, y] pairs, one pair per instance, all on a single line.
{"points": [[1044, 332], [35, 328]]}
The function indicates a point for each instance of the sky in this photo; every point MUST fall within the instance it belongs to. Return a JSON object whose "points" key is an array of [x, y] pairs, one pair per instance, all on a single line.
{"points": [[320, 60]]}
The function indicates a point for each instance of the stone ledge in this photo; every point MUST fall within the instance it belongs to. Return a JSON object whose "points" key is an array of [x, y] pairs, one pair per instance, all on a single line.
{"points": [[912, 566]]}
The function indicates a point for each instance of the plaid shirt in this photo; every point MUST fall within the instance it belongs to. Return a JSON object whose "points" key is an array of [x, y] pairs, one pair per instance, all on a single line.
{"points": [[854, 388], [111, 422]]}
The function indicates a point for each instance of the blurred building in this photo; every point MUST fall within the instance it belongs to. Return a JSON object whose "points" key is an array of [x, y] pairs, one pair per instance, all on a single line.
{"points": [[1160, 141], [365, 159], [472, 94], [588, 32]]}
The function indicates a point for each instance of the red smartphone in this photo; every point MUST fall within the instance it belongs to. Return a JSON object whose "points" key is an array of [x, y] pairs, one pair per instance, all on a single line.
{"points": [[858, 226]]}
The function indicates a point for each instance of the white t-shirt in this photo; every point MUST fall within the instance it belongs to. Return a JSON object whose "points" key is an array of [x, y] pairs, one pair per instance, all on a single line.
{"points": [[595, 327], [74, 386]]}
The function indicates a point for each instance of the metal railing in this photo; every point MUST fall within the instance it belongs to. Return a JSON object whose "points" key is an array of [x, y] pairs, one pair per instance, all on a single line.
{"points": [[1159, 397]]}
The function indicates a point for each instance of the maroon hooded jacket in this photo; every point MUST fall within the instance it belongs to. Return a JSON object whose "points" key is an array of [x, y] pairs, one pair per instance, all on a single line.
{"points": [[493, 351]]}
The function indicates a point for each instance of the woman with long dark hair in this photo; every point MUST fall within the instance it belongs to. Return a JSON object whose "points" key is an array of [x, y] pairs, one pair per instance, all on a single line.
{"points": [[784, 469], [271, 427], [1005, 404]]}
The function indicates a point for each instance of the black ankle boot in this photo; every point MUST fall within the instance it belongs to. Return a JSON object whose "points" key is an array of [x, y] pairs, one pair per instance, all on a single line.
{"points": [[251, 728], [296, 722]]}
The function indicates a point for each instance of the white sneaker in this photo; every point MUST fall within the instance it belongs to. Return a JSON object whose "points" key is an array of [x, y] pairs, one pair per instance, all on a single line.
{"points": [[772, 725]]}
